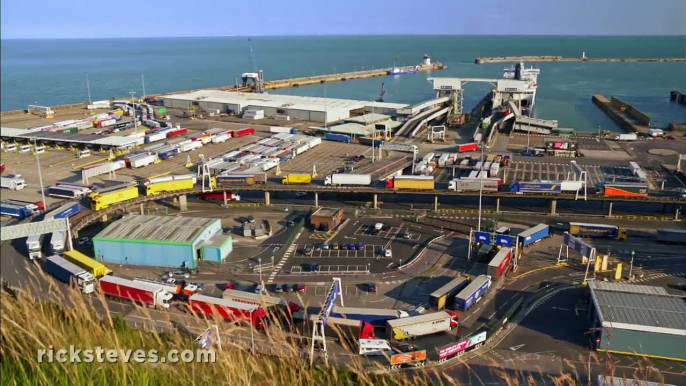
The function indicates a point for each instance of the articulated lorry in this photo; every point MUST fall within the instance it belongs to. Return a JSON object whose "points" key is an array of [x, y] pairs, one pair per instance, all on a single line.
{"points": [[68, 272], [534, 234], [411, 182], [374, 316], [34, 245], [421, 325], [597, 230], [12, 183], [147, 294], [444, 296], [346, 329], [18, 211], [57, 243], [182, 290], [228, 310], [348, 179], [93, 266], [471, 294], [671, 236], [302, 179]]}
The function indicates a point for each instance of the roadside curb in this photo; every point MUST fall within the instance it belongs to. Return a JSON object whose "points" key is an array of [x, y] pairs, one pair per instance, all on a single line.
{"points": [[561, 265]]}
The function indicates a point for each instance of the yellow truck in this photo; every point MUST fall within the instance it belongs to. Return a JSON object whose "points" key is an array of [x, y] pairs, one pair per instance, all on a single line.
{"points": [[302, 179], [104, 198], [169, 186], [92, 266]]}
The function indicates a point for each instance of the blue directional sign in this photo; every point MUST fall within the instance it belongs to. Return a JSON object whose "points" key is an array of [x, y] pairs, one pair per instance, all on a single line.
{"points": [[329, 302], [578, 245], [482, 237], [504, 240]]}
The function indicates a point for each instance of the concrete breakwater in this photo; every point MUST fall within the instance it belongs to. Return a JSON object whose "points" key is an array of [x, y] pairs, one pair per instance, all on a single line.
{"points": [[504, 59], [268, 85], [625, 115]]}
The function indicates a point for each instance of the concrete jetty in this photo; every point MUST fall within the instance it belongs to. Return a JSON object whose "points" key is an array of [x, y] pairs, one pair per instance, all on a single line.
{"points": [[273, 84], [583, 58], [629, 118], [678, 97]]}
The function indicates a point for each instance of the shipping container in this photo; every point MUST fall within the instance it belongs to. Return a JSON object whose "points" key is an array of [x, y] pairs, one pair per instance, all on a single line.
{"points": [[243, 132], [534, 234], [500, 263], [147, 294], [176, 132], [184, 147], [210, 307], [219, 138], [444, 296], [471, 294]]}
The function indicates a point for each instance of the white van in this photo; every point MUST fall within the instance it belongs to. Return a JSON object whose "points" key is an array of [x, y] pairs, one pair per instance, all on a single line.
{"points": [[374, 347]]}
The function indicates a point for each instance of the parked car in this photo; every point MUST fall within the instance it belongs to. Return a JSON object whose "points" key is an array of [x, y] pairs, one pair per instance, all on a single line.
{"points": [[387, 253], [405, 347], [301, 288], [360, 246], [405, 235], [352, 247], [251, 219], [307, 251], [259, 289], [371, 288], [326, 246], [334, 246], [290, 224], [230, 285], [83, 240], [344, 246], [280, 288]]}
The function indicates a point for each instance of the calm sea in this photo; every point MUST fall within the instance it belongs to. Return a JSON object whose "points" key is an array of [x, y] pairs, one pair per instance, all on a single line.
{"points": [[50, 72]]}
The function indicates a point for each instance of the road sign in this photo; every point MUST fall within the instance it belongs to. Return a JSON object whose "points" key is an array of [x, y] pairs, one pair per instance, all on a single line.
{"points": [[482, 237], [504, 240]]}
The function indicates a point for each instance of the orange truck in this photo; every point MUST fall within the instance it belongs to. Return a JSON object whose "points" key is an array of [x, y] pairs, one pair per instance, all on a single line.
{"points": [[414, 358]]}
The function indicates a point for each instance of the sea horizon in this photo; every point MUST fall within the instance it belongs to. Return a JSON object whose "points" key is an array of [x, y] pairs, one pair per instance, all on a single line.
{"points": [[343, 35], [53, 72]]}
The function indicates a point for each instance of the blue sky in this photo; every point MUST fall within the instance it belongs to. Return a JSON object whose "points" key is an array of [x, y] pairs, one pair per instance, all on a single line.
{"points": [[173, 18]]}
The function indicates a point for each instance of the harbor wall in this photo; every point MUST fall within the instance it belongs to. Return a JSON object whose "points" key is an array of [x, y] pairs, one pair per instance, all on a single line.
{"points": [[503, 59], [621, 118], [268, 85], [631, 111], [678, 97]]}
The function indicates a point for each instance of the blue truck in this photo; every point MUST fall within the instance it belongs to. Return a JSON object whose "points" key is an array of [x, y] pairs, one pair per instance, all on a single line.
{"points": [[168, 152], [337, 137], [66, 210], [17, 211], [550, 187], [68, 272], [373, 316], [534, 234], [597, 231], [471, 294]]}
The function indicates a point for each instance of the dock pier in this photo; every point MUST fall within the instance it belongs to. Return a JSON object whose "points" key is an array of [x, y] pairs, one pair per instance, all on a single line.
{"points": [[629, 118], [678, 97], [582, 58]]}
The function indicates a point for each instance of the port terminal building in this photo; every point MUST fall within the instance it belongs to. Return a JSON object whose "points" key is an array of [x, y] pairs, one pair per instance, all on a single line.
{"points": [[162, 241], [638, 320], [313, 109]]}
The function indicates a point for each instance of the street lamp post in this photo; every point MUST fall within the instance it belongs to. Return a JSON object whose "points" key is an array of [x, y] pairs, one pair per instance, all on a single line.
{"points": [[631, 266], [40, 175], [252, 332], [259, 261], [481, 185], [133, 117]]}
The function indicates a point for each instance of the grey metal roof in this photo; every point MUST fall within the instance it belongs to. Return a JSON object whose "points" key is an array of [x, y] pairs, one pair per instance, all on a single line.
{"points": [[639, 308], [326, 212], [215, 241], [156, 228]]}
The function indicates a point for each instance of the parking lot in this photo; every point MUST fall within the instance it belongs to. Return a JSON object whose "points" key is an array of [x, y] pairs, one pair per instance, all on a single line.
{"points": [[309, 257], [327, 157]]}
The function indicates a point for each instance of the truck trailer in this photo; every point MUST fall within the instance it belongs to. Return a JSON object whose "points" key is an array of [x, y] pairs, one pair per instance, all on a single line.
{"points": [[597, 230], [66, 210], [347, 329], [474, 185], [339, 179], [57, 243], [472, 293], [147, 294], [421, 325], [671, 236], [374, 316], [181, 290], [260, 300], [500, 262], [34, 245], [17, 211], [104, 198], [467, 147], [228, 310], [411, 182], [444, 296], [93, 266], [534, 234], [225, 180], [68, 272], [548, 187], [302, 179]]}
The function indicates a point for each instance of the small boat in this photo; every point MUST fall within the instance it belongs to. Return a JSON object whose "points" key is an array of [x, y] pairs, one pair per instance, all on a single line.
{"points": [[403, 70]]}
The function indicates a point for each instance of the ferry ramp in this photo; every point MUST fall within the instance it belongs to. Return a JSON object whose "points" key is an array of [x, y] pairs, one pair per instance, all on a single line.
{"points": [[409, 125], [411, 111], [528, 124], [426, 120]]}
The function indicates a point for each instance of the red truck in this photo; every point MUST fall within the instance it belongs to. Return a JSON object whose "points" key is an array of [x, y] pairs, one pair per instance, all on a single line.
{"points": [[2, 168], [467, 147], [176, 132], [228, 310], [349, 329], [148, 294], [242, 132], [267, 302], [219, 196]]}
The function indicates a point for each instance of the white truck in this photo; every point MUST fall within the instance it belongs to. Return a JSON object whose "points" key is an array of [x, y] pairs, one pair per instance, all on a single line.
{"points": [[13, 182], [34, 246], [348, 179], [68, 272], [190, 146], [421, 325], [57, 243], [142, 160], [627, 137]]}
